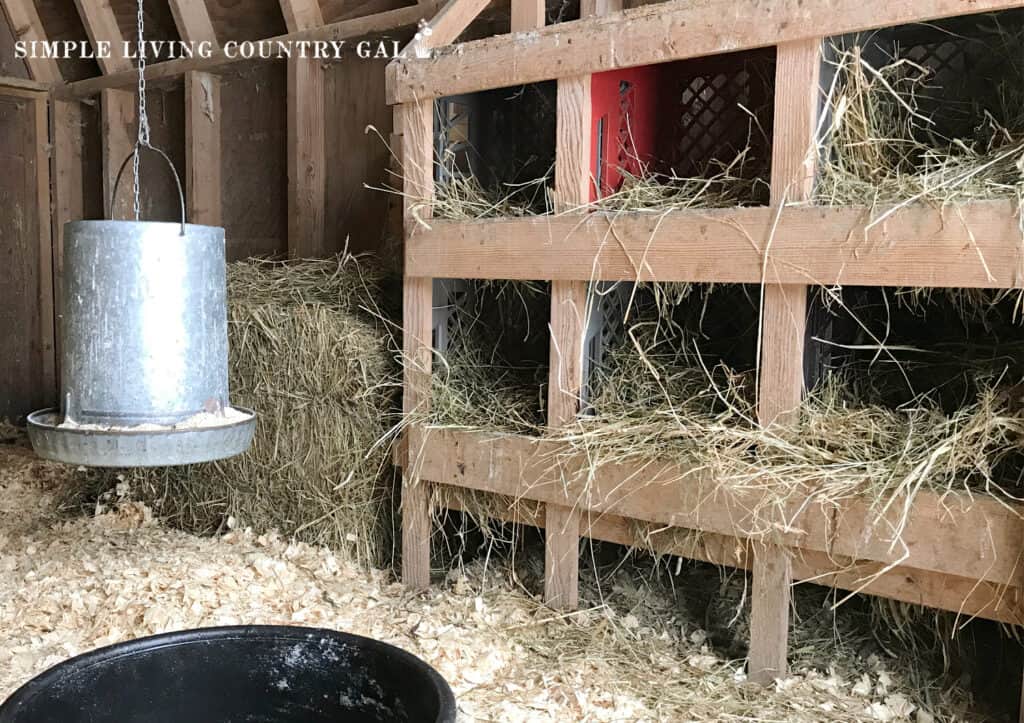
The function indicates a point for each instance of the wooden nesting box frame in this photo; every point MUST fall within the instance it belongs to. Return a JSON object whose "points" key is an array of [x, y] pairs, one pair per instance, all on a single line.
{"points": [[953, 554]]}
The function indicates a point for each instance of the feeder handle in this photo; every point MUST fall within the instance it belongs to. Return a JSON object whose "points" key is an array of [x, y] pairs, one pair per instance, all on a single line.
{"points": [[174, 172]]}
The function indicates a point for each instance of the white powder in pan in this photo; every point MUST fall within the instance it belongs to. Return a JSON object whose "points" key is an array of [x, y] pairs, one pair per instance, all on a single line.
{"points": [[203, 420]]}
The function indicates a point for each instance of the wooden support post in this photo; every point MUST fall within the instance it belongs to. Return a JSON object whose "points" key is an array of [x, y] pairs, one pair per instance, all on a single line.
{"points": [[301, 14], [599, 7], [568, 325], [68, 201], [797, 98], [415, 121], [117, 109], [202, 119], [202, 148], [101, 26], [25, 24], [307, 172], [527, 14], [47, 318]]}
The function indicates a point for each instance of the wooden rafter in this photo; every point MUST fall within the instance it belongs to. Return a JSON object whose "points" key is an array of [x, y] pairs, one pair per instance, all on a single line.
{"points": [[25, 24], [192, 19], [451, 20], [101, 26], [345, 30], [302, 15], [657, 33]]}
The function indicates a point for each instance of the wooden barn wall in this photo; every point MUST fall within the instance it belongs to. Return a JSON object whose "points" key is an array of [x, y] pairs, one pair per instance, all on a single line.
{"points": [[93, 203], [246, 19], [166, 108], [337, 10], [159, 193], [62, 22], [9, 66], [354, 99], [254, 173], [158, 20], [26, 364]]}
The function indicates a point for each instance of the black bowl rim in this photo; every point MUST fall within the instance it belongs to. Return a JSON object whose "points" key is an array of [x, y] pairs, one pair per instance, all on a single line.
{"points": [[43, 681]]}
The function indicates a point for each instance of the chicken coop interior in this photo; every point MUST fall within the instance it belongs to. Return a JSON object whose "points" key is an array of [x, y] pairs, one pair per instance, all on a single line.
{"points": [[518, 360]]}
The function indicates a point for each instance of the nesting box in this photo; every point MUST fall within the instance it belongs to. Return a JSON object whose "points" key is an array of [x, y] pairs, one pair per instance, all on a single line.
{"points": [[624, 129], [683, 118]]}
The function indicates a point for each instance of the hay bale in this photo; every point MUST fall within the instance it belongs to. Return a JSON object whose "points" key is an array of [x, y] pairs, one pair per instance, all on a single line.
{"points": [[307, 353]]}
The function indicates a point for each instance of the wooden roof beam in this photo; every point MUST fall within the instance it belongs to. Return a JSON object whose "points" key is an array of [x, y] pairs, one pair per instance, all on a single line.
{"points": [[101, 25], [25, 25], [406, 17], [192, 18], [450, 22], [302, 15]]}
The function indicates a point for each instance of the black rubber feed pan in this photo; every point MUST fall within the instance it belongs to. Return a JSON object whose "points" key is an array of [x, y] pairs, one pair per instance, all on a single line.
{"points": [[240, 674]]}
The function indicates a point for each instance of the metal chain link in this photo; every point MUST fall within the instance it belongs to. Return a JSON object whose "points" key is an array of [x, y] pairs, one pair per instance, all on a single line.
{"points": [[143, 141], [143, 137]]}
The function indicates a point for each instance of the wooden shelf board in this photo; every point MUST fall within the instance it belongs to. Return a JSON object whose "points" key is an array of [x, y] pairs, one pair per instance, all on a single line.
{"points": [[961, 595], [977, 539], [977, 245], [658, 33]]}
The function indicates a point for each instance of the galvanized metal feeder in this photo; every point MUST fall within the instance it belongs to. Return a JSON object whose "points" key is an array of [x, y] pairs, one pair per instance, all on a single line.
{"points": [[144, 353]]}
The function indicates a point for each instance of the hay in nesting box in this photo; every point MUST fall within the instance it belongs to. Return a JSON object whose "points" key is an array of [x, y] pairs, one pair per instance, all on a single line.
{"points": [[723, 185], [462, 197], [308, 354], [885, 144], [493, 373], [660, 395]]}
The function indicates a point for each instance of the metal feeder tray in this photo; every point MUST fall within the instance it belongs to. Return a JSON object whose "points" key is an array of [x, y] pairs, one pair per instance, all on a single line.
{"points": [[138, 448]]}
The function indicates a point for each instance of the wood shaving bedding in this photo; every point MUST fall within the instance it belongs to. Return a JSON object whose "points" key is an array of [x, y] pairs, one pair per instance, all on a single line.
{"points": [[70, 585]]}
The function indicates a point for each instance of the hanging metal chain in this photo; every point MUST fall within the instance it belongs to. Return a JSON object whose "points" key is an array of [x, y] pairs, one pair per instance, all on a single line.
{"points": [[143, 138]]}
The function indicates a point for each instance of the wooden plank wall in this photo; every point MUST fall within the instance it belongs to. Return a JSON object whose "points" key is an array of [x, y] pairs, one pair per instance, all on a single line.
{"points": [[117, 111], [354, 100], [254, 135], [166, 107], [22, 22], [27, 366]]}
